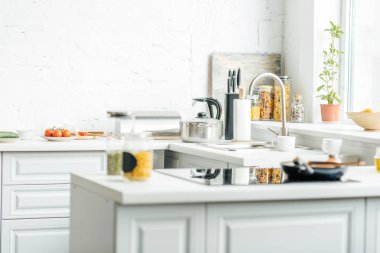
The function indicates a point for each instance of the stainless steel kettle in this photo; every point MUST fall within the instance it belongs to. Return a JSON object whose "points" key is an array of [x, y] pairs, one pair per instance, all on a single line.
{"points": [[210, 103], [203, 128]]}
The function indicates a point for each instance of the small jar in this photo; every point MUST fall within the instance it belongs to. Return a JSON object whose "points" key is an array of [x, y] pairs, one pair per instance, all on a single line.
{"points": [[114, 155], [266, 102], [377, 160], [255, 107], [137, 157], [297, 110]]}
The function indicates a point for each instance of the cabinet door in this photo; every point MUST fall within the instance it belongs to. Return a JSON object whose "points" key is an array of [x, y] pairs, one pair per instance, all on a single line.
{"points": [[159, 159], [171, 160], [152, 229], [373, 225], [35, 236], [36, 201], [335, 226], [190, 161], [49, 167]]}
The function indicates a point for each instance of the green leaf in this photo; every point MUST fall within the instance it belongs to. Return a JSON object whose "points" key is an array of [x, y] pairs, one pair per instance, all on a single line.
{"points": [[320, 88]]}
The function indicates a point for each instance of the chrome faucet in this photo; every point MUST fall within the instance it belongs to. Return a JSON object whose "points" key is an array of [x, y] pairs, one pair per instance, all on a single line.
{"points": [[277, 80]]}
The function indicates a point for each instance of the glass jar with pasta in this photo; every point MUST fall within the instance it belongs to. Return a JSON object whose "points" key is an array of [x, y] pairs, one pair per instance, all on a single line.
{"points": [[255, 107], [277, 98], [266, 102], [137, 158]]}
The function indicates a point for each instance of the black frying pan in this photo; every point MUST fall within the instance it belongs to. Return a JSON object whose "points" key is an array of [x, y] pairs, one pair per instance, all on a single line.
{"points": [[300, 171]]}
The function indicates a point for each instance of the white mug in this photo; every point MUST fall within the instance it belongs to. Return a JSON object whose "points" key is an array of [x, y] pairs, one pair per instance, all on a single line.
{"points": [[286, 143], [331, 146]]}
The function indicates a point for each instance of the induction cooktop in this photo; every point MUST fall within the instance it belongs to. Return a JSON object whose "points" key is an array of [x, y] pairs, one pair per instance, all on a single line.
{"points": [[225, 176]]}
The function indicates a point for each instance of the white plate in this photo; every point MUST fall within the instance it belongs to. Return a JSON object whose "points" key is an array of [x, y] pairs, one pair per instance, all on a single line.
{"points": [[59, 138], [9, 140], [85, 137]]}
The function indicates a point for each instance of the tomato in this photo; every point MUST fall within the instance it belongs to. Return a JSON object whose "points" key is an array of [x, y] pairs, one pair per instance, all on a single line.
{"points": [[83, 133], [57, 133], [49, 132], [66, 133]]}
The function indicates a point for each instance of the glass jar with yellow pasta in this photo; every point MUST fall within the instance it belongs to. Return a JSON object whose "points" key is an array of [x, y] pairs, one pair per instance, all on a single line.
{"points": [[137, 158], [277, 98], [255, 107], [266, 102]]}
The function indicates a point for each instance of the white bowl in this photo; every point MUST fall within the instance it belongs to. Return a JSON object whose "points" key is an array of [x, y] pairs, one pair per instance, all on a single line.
{"points": [[26, 134], [368, 120]]}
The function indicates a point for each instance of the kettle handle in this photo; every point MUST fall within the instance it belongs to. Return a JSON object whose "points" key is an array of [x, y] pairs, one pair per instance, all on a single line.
{"points": [[214, 102], [211, 102]]}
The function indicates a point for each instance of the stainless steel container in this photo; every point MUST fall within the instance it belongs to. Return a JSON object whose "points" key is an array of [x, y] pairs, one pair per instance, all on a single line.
{"points": [[201, 130]]}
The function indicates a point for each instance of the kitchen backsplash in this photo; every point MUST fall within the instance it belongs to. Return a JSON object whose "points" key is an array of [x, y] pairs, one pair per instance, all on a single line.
{"points": [[61, 61]]}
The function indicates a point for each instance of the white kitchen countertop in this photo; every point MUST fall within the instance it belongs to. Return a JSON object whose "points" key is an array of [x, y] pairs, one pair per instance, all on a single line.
{"points": [[248, 157], [74, 145], [342, 131], [162, 189]]}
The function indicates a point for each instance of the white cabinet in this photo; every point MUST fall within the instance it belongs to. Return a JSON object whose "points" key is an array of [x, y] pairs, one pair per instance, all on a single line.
{"points": [[373, 225], [35, 236], [335, 226], [36, 198], [36, 201], [112, 228], [182, 160], [171, 160], [170, 228], [49, 167]]}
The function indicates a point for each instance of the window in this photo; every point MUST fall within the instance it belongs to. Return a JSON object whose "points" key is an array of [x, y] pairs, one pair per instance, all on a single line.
{"points": [[362, 60]]}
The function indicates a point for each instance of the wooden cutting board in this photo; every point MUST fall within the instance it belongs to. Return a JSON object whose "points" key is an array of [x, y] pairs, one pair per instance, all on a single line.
{"points": [[250, 65]]}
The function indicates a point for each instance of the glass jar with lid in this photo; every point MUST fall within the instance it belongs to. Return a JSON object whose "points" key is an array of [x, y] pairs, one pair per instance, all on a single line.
{"points": [[297, 110], [137, 157], [114, 155], [277, 98], [255, 107], [266, 102]]}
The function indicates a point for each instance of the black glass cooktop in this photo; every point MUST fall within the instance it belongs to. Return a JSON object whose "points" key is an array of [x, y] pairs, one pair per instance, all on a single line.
{"points": [[236, 176]]}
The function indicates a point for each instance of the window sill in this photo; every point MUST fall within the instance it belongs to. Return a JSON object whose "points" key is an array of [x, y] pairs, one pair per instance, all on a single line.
{"points": [[341, 131]]}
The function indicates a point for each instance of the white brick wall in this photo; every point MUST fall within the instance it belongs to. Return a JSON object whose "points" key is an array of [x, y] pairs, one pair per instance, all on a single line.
{"points": [[64, 60]]}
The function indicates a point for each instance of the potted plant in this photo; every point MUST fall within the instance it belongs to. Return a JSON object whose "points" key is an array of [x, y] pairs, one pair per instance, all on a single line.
{"points": [[330, 111]]}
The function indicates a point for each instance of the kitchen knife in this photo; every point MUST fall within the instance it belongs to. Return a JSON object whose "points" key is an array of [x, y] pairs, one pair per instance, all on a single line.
{"points": [[229, 81], [238, 79], [233, 81]]}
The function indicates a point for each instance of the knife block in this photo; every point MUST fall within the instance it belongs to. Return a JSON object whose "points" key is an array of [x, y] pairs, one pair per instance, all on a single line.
{"points": [[229, 115]]}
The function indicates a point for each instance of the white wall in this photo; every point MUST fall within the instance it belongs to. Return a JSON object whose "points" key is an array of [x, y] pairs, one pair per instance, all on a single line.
{"points": [[75, 59]]}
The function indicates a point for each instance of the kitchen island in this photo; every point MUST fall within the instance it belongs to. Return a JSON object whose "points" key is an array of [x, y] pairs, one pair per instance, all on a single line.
{"points": [[168, 214], [35, 182]]}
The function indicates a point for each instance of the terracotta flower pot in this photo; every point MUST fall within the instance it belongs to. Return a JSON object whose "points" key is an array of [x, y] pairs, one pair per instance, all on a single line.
{"points": [[330, 113]]}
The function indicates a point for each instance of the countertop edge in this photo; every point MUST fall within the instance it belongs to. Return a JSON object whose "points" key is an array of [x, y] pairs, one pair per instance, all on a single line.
{"points": [[197, 193]]}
